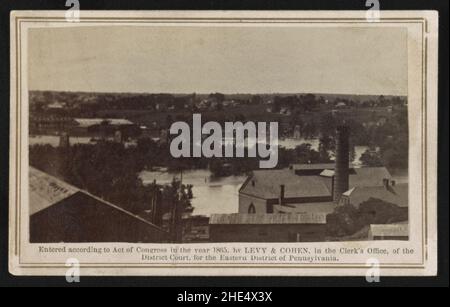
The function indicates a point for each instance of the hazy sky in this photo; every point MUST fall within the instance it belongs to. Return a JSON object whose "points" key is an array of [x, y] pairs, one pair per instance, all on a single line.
{"points": [[219, 59]]}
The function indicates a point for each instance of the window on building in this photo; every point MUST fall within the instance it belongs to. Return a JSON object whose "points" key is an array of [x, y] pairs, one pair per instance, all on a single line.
{"points": [[251, 209]]}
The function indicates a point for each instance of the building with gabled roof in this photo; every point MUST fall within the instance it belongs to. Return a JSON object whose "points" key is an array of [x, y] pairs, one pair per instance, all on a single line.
{"points": [[303, 188], [60, 212], [104, 127], [396, 194], [266, 184], [309, 189], [89, 122]]}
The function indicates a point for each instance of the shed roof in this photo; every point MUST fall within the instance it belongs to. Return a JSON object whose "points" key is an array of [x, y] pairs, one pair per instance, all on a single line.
{"points": [[389, 230], [317, 207], [266, 184], [315, 166], [397, 194], [327, 173], [88, 122], [369, 176], [264, 219], [363, 176], [46, 190]]}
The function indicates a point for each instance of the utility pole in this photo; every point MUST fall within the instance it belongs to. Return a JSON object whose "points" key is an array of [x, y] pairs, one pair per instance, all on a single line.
{"points": [[177, 211]]}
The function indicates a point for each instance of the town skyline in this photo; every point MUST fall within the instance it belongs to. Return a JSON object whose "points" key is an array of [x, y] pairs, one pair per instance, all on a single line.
{"points": [[228, 94]]}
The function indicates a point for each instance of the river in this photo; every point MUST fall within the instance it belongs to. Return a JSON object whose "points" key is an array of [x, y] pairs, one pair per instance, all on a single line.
{"points": [[220, 195], [211, 195]]}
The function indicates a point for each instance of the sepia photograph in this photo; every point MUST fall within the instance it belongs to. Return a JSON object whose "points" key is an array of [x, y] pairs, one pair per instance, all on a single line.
{"points": [[266, 141], [103, 100]]}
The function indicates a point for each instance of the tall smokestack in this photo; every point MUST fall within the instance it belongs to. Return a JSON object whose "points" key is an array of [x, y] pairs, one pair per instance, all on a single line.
{"points": [[341, 172]]}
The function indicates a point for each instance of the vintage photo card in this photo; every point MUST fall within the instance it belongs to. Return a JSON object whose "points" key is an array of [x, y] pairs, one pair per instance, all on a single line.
{"points": [[177, 143]]}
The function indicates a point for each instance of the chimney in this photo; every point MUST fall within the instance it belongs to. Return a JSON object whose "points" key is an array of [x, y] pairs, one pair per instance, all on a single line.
{"points": [[64, 140], [341, 172], [281, 200], [118, 137], [156, 207]]}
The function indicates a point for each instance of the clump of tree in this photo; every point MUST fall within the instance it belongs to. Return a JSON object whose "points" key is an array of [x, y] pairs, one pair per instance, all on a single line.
{"points": [[371, 158], [347, 220], [108, 170], [301, 103], [392, 140]]}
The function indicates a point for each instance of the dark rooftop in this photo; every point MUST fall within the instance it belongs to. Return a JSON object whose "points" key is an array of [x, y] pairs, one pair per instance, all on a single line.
{"points": [[262, 219], [46, 191], [265, 184]]}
